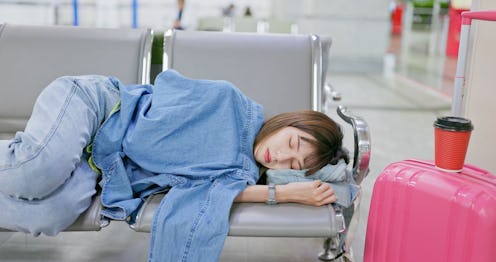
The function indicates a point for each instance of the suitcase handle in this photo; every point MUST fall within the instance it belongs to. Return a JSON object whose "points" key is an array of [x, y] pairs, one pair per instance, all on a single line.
{"points": [[458, 105], [488, 15]]}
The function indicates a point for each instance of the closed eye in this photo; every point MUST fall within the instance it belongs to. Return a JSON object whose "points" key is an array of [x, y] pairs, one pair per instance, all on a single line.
{"points": [[294, 143]]}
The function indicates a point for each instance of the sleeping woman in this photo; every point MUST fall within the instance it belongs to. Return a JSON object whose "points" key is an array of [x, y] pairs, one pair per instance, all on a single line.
{"points": [[202, 140]]}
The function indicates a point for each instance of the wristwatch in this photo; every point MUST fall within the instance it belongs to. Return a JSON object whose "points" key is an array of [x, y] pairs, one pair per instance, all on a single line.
{"points": [[271, 200]]}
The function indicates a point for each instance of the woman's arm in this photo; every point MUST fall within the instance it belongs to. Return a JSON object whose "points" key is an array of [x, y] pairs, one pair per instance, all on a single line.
{"points": [[315, 193]]}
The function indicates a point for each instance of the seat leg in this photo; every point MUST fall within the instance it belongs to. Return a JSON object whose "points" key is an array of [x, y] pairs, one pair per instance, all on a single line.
{"points": [[332, 250]]}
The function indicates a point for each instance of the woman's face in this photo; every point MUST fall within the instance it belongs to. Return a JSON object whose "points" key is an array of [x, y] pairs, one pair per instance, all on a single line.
{"points": [[285, 149]]}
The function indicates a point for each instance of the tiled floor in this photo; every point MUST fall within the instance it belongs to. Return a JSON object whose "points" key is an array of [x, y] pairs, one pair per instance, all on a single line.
{"points": [[399, 109]]}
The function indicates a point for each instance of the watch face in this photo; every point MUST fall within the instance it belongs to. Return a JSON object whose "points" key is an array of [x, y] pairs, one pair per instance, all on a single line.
{"points": [[272, 195]]}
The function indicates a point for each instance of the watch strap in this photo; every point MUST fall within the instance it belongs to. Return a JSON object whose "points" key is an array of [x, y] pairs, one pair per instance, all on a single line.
{"points": [[271, 199]]}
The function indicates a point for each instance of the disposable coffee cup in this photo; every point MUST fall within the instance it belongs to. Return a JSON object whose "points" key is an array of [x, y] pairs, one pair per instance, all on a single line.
{"points": [[451, 135]]}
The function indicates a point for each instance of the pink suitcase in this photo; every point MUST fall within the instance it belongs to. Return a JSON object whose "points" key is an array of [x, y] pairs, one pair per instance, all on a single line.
{"points": [[419, 213]]}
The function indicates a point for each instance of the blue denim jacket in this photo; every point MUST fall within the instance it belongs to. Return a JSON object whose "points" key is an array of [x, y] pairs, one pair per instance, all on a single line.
{"points": [[192, 136]]}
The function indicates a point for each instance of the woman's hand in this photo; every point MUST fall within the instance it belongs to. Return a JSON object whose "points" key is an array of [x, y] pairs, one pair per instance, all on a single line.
{"points": [[315, 193]]}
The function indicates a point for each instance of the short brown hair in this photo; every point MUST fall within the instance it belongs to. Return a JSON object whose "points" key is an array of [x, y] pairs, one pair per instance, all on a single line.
{"points": [[327, 133]]}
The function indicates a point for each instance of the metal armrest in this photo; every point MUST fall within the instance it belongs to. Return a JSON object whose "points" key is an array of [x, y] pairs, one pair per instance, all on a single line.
{"points": [[361, 155], [90, 220]]}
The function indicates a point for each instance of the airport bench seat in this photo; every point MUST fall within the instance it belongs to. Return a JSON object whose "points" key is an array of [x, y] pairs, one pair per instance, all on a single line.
{"points": [[282, 72]]}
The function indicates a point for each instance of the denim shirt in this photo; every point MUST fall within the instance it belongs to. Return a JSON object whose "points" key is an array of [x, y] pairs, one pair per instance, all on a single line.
{"points": [[193, 137]]}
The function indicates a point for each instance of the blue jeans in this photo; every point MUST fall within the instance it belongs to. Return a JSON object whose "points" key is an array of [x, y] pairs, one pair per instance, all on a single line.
{"points": [[45, 182]]}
